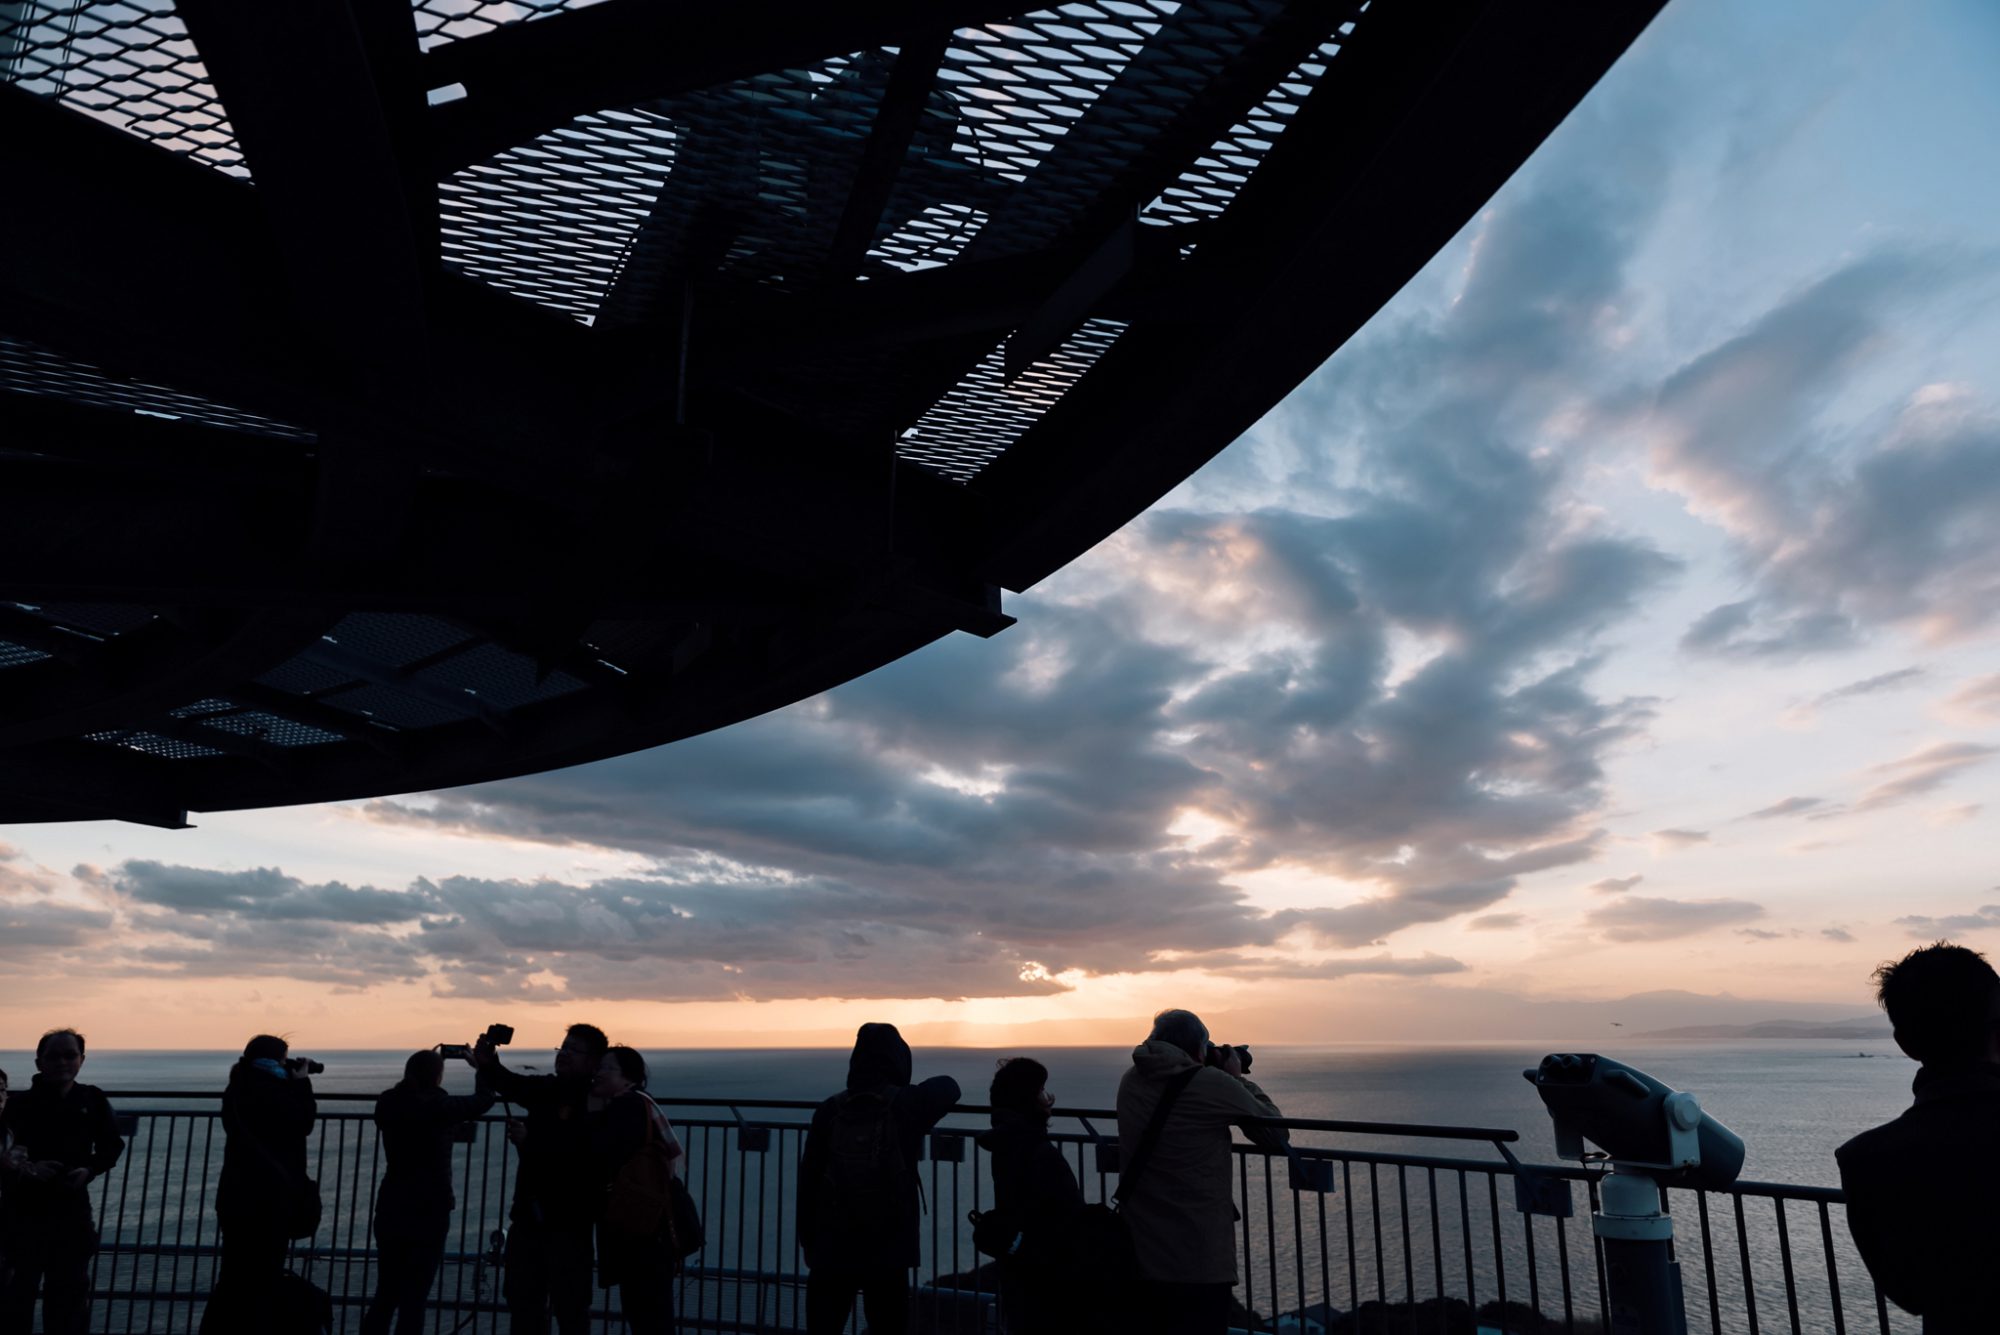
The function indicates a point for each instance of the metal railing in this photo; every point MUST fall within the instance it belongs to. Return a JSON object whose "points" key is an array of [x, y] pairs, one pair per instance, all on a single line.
{"points": [[1396, 1237]]}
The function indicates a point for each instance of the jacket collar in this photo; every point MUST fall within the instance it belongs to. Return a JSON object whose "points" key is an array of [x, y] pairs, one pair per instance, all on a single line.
{"points": [[1935, 1084]]}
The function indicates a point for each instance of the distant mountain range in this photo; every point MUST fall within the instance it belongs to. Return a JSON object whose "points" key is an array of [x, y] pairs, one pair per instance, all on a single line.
{"points": [[1868, 1028]]}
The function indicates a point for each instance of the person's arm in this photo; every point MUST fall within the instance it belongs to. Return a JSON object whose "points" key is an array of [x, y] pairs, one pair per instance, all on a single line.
{"points": [[453, 1108], [529, 1091], [931, 1100], [302, 1108], [1224, 1097], [1881, 1231]]}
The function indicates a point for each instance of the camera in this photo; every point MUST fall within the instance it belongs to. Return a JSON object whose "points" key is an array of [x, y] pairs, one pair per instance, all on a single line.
{"points": [[499, 1035], [1218, 1054], [1636, 1120], [304, 1066]]}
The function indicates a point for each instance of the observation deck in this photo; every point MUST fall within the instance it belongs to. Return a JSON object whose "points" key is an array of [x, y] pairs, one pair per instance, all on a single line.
{"points": [[1366, 1226], [402, 395]]}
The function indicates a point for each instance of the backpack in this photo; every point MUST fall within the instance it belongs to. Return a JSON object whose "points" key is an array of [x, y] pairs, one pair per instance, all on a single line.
{"points": [[862, 1182]]}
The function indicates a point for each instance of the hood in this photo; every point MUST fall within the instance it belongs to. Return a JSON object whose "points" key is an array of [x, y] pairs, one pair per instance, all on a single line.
{"points": [[1157, 1059], [881, 1057]]}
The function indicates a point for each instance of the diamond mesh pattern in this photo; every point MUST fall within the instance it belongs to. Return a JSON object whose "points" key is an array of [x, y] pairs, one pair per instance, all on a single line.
{"points": [[18, 655], [128, 63], [983, 414], [1209, 184], [441, 21], [272, 729], [384, 704], [29, 368], [549, 220], [302, 676]]}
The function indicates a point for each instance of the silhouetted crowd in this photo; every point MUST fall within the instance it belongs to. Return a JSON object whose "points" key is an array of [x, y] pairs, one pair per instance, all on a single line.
{"points": [[599, 1196]]}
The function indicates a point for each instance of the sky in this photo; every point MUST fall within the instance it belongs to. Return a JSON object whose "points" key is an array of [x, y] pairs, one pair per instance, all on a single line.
{"points": [[1609, 632]]}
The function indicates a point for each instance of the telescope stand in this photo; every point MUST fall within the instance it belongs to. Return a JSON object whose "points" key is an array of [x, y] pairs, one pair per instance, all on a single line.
{"points": [[1639, 1270]]}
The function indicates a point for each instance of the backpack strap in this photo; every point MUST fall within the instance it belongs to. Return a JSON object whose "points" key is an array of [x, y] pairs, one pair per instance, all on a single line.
{"points": [[1151, 1136]]}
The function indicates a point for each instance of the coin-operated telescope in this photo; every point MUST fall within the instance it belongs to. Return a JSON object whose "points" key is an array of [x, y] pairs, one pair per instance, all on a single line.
{"points": [[1653, 1136]]}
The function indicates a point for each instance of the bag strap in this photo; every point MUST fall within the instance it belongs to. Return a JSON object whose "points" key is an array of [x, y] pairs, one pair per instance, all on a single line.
{"points": [[1142, 1152]]}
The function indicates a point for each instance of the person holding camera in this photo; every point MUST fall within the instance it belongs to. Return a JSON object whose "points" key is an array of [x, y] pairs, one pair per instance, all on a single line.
{"points": [[419, 1123], [559, 1186], [1180, 1209], [1920, 1189], [265, 1197], [64, 1137]]}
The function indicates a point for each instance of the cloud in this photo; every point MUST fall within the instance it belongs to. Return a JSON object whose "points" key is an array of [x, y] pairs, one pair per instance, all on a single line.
{"points": [[1615, 885], [1977, 700], [1496, 922], [1424, 966], [1922, 771], [1791, 806], [1944, 817], [1673, 841], [1886, 681], [1636, 918], [1840, 934], [1928, 928], [1761, 934], [1837, 537]]}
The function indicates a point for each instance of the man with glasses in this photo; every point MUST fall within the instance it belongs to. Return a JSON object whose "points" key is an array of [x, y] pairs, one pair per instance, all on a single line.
{"points": [[549, 1256]]}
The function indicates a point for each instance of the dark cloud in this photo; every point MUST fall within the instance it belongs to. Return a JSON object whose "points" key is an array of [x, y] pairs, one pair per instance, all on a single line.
{"points": [[1928, 928], [1840, 934], [1637, 918], [1922, 772], [1761, 934], [1791, 806], [262, 893], [1496, 922], [1615, 885]]}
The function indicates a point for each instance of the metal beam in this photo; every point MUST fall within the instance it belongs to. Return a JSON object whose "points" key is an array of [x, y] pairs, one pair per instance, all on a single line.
{"points": [[525, 79], [911, 80]]}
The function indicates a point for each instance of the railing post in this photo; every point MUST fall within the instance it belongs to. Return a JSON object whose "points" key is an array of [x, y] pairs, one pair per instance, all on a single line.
{"points": [[1644, 1278]]}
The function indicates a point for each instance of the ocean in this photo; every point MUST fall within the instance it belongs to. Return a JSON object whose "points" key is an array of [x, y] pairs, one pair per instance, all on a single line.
{"points": [[1791, 1101]]}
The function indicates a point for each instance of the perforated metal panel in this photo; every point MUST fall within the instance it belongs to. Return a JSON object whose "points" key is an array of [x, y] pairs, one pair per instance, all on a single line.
{"points": [[97, 618], [983, 414], [304, 677], [499, 677], [396, 639], [397, 709], [129, 63], [29, 368], [272, 729], [152, 744], [18, 655]]}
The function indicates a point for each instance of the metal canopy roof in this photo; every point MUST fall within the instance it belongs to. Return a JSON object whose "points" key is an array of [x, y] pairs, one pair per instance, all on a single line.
{"points": [[394, 396]]}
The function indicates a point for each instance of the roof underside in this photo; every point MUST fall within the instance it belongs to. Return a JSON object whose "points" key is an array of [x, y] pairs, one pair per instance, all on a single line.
{"points": [[398, 396]]}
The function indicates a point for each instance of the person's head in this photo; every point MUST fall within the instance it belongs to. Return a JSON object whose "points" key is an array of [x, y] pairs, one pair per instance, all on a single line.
{"points": [[621, 1069], [582, 1050], [424, 1069], [1021, 1085], [880, 1057], [1944, 1001], [3, 1091], [59, 1056], [1184, 1030]]}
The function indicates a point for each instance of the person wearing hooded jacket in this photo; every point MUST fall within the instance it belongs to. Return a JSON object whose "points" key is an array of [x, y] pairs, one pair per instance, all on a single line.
{"points": [[1041, 1291], [864, 1236], [1180, 1210]]}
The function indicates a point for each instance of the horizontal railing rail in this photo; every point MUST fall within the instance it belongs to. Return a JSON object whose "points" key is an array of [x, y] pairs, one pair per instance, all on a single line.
{"points": [[1327, 1229]]}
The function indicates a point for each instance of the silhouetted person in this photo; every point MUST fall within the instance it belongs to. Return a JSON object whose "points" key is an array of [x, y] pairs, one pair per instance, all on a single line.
{"points": [[414, 1203], [64, 1137], [640, 1265], [1043, 1290], [1180, 1208], [559, 1186], [860, 1208], [1923, 1191], [261, 1201]]}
